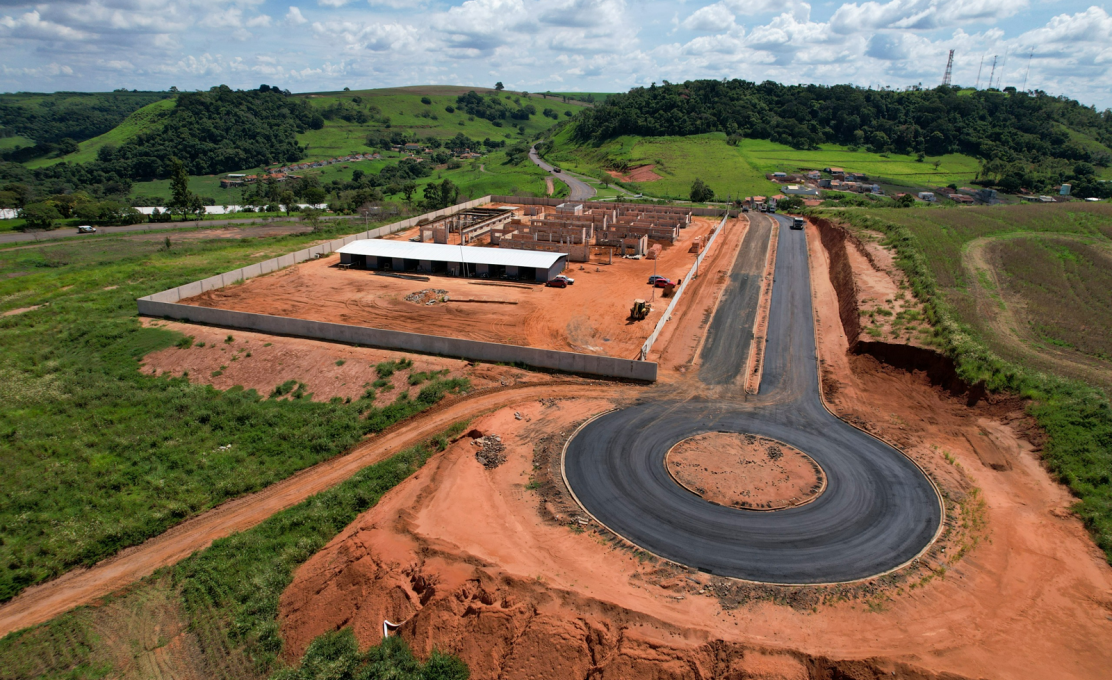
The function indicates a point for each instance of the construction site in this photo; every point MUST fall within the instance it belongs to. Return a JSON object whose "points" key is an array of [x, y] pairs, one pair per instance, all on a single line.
{"points": [[481, 274]]}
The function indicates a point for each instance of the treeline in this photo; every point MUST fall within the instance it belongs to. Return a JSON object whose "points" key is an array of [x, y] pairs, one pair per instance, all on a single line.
{"points": [[73, 116], [1024, 135], [493, 107], [213, 132]]}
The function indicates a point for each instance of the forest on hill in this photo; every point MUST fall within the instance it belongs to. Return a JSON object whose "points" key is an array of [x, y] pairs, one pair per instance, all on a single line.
{"points": [[211, 132], [1024, 141], [50, 119]]}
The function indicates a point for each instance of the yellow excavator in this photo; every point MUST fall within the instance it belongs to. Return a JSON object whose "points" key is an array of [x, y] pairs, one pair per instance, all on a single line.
{"points": [[640, 310]]}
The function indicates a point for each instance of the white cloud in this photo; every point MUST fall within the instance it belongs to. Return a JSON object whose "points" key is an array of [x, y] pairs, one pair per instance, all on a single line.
{"points": [[537, 44], [294, 17]]}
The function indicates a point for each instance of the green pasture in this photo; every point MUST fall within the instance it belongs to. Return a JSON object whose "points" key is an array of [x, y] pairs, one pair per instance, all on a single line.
{"points": [[15, 141], [741, 169], [97, 456]]}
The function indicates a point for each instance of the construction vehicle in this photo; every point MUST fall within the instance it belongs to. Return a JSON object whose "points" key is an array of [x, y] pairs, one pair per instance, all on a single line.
{"points": [[640, 310]]}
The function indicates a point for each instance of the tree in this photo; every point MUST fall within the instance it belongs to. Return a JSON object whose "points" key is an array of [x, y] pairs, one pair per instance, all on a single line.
{"points": [[790, 204], [39, 216], [700, 192], [407, 190], [498, 86], [312, 216], [438, 196], [287, 199], [180, 195], [905, 201]]}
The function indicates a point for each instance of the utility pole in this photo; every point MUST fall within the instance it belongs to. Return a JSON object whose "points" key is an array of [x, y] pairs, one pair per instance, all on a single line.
{"points": [[982, 65], [949, 70]]}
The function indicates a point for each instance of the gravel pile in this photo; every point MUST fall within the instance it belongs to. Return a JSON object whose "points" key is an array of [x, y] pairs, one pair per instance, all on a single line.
{"points": [[491, 451]]}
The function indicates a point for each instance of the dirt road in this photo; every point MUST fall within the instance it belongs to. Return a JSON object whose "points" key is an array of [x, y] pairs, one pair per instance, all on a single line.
{"points": [[82, 586]]}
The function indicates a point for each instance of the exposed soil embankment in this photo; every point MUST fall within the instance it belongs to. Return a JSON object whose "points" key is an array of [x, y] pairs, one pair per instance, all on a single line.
{"points": [[834, 240], [940, 369]]}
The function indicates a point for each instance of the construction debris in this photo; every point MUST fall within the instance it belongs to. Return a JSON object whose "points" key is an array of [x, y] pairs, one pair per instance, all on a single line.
{"points": [[428, 296], [491, 451]]}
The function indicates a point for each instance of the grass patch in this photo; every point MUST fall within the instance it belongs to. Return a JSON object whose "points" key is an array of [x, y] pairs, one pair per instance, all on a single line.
{"points": [[98, 456], [227, 594], [1076, 417], [740, 170]]}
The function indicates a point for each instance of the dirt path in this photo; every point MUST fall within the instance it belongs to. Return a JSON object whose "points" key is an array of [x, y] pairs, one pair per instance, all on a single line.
{"points": [[549, 187], [1004, 313], [82, 586]]}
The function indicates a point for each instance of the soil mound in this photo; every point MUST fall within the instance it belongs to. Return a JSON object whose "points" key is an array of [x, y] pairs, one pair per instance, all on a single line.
{"points": [[745, 471]]}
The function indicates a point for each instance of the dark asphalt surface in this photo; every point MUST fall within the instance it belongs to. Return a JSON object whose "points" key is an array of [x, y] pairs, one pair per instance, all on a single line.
{"points": [[877, 512], [578, 189], [732, 325]]}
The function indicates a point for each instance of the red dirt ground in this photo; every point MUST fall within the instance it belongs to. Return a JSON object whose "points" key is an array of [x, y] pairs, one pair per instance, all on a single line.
{"points": [[744, 471], [499, 567], [263, 362], [590, 316], [642, 173]]}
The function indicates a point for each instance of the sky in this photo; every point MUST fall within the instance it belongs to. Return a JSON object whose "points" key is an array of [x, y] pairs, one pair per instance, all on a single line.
{"points": [[1059, 46]]}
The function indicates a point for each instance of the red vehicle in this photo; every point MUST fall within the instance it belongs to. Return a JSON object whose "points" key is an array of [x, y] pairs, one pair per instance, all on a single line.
{"points": [[557, 283], [662, 282]]}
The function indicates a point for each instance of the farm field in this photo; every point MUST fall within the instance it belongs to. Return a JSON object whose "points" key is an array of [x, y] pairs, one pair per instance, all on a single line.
{"points": [[100, 456], [1027, 279], [741, 169], [1030, 281]]}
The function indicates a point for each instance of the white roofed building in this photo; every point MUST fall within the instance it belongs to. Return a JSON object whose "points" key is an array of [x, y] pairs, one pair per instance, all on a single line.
{"points": [[438, 258]]}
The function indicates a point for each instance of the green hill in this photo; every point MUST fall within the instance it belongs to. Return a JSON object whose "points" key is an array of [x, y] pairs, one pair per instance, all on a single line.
{"points": [[402, 110], [146, 119], [740, 169]]}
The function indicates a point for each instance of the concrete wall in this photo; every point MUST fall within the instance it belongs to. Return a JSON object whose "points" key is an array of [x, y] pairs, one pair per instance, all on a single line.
{"points": [[164, 304], [679, 291], [569, 362], [532, 200]]}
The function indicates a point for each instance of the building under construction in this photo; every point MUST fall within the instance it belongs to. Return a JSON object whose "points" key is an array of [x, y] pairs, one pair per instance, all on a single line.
{"points": [[470, 225], [573, 228]]}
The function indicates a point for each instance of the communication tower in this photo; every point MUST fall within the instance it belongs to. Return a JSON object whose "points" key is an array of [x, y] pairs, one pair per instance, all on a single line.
{"points": [[978, 85], [993, 73], [949, 69]]}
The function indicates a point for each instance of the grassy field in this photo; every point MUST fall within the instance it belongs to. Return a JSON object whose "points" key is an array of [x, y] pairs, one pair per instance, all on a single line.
{"points": [[1066, 289], [98, 456], [146, 118], [741, 169], [14, 141], [930, 245], [404, 108], [219, 607]]}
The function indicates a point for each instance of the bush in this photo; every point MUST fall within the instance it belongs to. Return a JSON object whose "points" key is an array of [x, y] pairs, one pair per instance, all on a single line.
{"points": [[336, 655]]}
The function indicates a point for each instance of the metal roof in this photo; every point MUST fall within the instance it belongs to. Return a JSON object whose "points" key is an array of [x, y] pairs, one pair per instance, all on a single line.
{"points": [[439, 252]]}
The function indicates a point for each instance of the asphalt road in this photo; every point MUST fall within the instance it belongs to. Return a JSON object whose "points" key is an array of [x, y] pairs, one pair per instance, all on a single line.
{"points": [[878, 510], [579, 190]]}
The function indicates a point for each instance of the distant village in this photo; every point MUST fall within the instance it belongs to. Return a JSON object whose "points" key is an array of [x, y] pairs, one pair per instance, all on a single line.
{"points": [[809, 185]]}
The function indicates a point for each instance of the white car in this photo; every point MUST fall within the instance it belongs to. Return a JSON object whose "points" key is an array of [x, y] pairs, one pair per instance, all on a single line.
{"points": [[86, 229], [569, 279]]}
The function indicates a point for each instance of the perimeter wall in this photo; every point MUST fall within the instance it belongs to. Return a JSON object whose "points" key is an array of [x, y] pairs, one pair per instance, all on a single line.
{"points": [[166, 304]]}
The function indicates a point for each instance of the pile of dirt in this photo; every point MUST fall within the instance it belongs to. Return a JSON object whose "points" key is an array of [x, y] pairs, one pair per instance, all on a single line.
{"points": [[745, 471], [491, 451], [428, 296]]}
